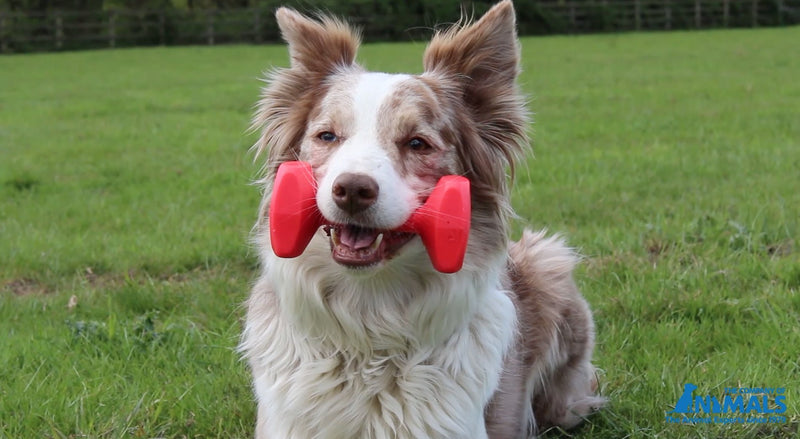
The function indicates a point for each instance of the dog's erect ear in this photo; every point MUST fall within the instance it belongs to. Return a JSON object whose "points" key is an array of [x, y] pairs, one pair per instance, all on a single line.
{"points": [[484, 53], [480, 63], [318, 49], [317, 46]]}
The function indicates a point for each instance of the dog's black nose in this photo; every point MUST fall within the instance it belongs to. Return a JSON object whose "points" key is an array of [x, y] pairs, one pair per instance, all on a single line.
{"points": [[354, 193]]}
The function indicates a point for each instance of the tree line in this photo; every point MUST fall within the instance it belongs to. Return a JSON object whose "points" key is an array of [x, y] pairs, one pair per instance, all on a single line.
{"points": [[336, 6], [31, 25]]}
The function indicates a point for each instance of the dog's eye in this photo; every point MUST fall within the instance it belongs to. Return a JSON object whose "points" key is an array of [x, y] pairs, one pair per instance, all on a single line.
{"points": [[327, 137], [418, 145]]}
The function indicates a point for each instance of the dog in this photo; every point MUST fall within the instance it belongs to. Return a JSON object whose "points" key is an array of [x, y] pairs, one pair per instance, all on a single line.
{"points": [[359, 336]]}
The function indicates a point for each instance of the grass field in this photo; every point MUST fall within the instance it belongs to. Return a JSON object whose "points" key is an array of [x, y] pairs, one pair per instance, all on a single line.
{"points": [[671, 160]]}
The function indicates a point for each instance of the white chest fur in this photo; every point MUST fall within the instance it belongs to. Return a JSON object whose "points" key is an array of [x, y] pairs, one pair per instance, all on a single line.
{"points": [[341, 363]]}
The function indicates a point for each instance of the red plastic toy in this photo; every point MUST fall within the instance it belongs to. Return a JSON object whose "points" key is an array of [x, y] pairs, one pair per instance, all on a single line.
{"points": [[442, 222]]}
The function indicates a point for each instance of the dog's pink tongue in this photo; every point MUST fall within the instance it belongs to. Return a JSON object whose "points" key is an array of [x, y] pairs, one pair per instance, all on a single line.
{"points": [[357, 237]]}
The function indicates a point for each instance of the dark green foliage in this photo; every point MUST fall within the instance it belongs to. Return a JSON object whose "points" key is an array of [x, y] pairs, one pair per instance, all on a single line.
{"points": [[35, 25]]}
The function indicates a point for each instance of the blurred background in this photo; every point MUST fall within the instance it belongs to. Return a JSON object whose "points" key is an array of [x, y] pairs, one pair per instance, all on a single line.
{"points": [[35, 25]]}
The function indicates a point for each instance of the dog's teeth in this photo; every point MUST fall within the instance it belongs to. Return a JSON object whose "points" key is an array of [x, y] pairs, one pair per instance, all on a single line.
{"points": [[335, 236], [377, 242]]}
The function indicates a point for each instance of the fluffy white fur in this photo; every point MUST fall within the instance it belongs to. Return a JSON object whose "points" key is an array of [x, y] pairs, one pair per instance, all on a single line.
{"points": [[500, 349]]}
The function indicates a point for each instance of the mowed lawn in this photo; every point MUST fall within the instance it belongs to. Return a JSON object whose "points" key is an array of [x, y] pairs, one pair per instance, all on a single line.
{"points": [[670, 160]]}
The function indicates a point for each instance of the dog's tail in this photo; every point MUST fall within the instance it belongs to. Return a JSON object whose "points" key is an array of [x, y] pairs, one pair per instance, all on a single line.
{"points": [[557, 330]]}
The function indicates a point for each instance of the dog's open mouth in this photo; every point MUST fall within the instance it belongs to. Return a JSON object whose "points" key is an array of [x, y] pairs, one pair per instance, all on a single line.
{"points": [[356, 246]]}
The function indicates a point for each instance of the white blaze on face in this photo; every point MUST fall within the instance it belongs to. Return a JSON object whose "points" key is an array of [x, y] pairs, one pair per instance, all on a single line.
{"points": [[362, 151]]}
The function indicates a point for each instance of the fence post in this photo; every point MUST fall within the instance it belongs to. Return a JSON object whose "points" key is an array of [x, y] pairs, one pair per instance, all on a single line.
{"points": [[755, 13], [697, 14], [3, 42], [210, 27], [573, 22], [257, 25], [667, 14], [59, 36], [112, 28], [162, 23], [637, 14], [726, 12]]}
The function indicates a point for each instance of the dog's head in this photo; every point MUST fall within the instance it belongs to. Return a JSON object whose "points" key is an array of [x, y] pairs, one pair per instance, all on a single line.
{"points": [[378, 143]]}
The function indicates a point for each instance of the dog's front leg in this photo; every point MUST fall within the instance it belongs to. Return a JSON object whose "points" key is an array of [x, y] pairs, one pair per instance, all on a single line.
{"points": [[479, 431], [261, 423]]}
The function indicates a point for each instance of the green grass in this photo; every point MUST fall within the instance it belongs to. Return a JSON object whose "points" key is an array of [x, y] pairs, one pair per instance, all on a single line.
{"points": [[671, 160]]}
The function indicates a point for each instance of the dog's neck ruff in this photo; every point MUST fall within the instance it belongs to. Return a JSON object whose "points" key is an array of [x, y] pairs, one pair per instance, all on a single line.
{"points": [[400, 354], [406, 303]]}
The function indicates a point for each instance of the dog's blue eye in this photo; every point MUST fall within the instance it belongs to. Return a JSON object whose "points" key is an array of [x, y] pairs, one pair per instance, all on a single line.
{"points": [[417, 144], [327, 136]]}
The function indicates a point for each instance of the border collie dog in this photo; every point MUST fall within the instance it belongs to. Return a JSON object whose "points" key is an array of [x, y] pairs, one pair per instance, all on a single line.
{"points": [[360, 336]]}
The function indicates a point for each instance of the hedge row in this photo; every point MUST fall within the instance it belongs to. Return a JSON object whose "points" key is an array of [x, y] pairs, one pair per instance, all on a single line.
{"points": [[382, 20]]}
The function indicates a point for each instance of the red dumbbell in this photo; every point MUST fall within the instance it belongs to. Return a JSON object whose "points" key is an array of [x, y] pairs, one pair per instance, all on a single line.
{"points": [[293, 212], [442, 222]]}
